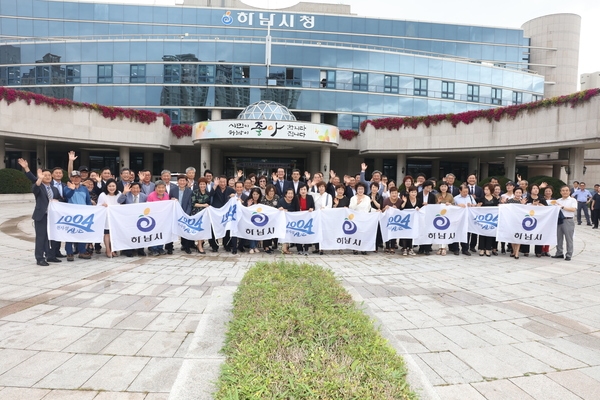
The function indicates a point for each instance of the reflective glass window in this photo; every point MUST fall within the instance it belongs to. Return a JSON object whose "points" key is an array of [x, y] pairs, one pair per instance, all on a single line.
{"points": [[357, 120], [13, 75], [420, 107], [25, 27], [360, 81], [130, 13], [390, 84], [73, 73], [497, 96], [447, 90], [174, 114], [71, 11], [137, 73], [9, 7], [206, 74], [8, 24], [101, 12], [42, 75], [407, 64], [144, 13], [241, 75], [473, 93], [55, 9], [40, 28], [172, 73], [105, 73], [123, 52], [86, 11], [360, 102], [420, 88]]}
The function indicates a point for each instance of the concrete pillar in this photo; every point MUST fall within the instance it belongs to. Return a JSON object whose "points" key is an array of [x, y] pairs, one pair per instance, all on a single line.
{"points": [[2, 153], [217, 162], [510, 166], [314, 162], [556, 171], [205, 157], [576, 155], [84, 158], [435, 169], [148, 160], [474, 167], [26, 155], [215, 114], [124, 157], [326, 161], [400, 168], [485, 170], [378, 164], [40, 156], [315, 118]]}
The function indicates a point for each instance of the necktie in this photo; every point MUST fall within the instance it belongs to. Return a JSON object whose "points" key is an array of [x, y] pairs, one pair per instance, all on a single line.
{"points": [[472, 190], [135, 199], [281, 185], [49, 192]]}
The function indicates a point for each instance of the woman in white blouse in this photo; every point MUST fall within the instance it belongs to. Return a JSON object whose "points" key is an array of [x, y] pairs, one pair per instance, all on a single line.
{"points": [[360, 201], [322, 200]]}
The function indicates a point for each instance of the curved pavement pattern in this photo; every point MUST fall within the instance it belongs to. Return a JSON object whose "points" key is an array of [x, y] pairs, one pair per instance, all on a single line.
{"points": [[150, 328]]}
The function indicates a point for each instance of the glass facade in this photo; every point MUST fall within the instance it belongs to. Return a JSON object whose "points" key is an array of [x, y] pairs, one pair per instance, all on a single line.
{"points": [[181, 59]]}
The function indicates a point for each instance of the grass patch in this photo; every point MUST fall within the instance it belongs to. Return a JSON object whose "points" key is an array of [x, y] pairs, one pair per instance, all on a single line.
{"points": [[297, 334]]}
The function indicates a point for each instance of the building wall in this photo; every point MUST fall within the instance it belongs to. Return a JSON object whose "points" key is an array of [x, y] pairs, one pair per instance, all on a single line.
{"points": [[590, 80]]}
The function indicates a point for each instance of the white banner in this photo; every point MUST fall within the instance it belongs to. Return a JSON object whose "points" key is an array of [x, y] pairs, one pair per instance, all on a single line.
{"points": [[303, 227], [76, 223], [343, 228], [483, 220], [399, 224], [527, 224], [259, 222], [442, 224], [141, 225], [192, 227], [225, 218]]}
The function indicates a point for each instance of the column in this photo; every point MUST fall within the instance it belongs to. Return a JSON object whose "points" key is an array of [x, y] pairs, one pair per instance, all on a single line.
{"points": [[217, 162], [556, 171], [474, 166], [378, 164], [510, 166], [124, 157], [400, 168], [435, 169], [315, 118], [2, 153], [485, 170], [215, 114], [314, 162], [576, 158], [40, 157], [84, 159], [148, 160], [326, 161], [26, 155], [205, 157]]}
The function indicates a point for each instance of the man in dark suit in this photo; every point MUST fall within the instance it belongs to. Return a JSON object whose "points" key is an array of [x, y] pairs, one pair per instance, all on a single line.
{"points": [[105, 175], [183, 194], [477, 193], [453, 189], [57, 175], [44, 193], [296, 182], [125, 178], [165, 176], [132, 194], [219, 196], [281, 184]]}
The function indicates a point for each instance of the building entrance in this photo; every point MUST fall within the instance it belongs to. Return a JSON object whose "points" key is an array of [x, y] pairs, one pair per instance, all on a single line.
{"points": [[263, 165]]}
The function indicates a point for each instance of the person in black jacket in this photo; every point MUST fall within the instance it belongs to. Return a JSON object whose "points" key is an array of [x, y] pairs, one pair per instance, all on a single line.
{"points": [[183, 194], [305, 202], [219, 196], [44, 193]]}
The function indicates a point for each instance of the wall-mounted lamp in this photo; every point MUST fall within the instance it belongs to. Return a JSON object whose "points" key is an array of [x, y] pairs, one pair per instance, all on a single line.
{"points": [[584, 169], [204, 164], [402, 169], [5, 160], [568, 170], [39, 161], [122, 163], [325, 167]]}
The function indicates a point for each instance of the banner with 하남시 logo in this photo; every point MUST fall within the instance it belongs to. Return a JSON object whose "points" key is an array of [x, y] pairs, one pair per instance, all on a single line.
{"points": [[303, 227], [343, 228], [259, 222], [442, 224], [225, 218], [483, 220], [141, 225], [76, 223], [192, 227], [527, 224], [399, 224]]}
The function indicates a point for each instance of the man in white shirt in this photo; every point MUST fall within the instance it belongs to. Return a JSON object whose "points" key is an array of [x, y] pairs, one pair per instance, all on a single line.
{"points": [[464, 199], [566, 230]]}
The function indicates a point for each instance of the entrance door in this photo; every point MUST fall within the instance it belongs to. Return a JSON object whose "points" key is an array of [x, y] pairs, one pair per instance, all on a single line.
{"points": [[262, 165]]}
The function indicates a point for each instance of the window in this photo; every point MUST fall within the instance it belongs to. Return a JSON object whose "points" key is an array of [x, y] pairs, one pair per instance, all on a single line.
{"points": [[42, 75], [357, 120], [390, 84], [497, 96], [105, 73], [517, 98], [137, 73], [447, 90], [241, 75], [174, 115], [172, 73], [536, 97], [360, 81], [13, 75], [73, 73], [328, 79], [293, 77], [473, 93], [420, 87], [206, 74]]}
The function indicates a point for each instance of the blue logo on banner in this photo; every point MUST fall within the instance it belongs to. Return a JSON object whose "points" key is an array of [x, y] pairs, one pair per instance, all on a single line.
{"points": [[230, 216], [301, 226], [259, 219], [441, 222], [400, 222], [146, 223], [529, 222], [77, 221], [487, 222], [348, 226], [226, 19]]}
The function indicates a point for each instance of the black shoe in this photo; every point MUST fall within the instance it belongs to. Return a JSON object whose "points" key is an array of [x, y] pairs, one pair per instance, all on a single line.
{"points": [[53, 260], [187, 251], [161, 252], [60, 255], [595, 227], [129, 253], [472, 249], [364, 253], [558, 256], [241, 249], [321, 252], [457, 253], [234, 251], [589, 224], [99, 251], [228, 249], [42, 263], [315, 252], [169, 251], [141, 253], [466, 253], [567, 258], [214, 249]]}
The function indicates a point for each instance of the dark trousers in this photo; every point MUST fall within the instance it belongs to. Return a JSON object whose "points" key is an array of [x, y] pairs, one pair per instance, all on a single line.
{"points": [[55, 248], [473, 242], [42, 245], [582, 205], [80, 247], [487, 242], [213, 242], [595, 217], [187, 243], [390, 244], [406, 243]]}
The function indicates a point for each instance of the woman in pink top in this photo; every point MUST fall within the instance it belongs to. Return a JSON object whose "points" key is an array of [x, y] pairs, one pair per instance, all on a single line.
{"points": [[159, 194]]}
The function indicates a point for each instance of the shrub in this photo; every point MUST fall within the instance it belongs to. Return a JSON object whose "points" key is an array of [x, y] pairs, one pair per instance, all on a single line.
{"points": [[13, 181], [555, 183]]}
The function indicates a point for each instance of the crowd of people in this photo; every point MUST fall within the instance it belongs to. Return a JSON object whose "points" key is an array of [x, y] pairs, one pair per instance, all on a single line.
{"points": [[303, 192]]}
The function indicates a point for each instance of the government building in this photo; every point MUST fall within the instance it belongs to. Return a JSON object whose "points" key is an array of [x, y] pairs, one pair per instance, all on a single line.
{"points": [[278, 88]]}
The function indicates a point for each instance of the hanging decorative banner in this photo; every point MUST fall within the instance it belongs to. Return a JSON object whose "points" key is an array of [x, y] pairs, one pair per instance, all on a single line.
{"points": [[192, 227], [344, 228], [76, 223], [225, 218], [527, 224], [399, 224], [442, 224], [141, 225], [259, 222], [303, 227], [483, 220]]}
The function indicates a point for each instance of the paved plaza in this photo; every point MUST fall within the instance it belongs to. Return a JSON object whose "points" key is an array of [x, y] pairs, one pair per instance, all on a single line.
{"points": [[150, 328]]}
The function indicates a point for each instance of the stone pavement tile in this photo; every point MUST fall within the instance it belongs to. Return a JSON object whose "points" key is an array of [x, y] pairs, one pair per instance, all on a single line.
{"points": [[495, 312], [128, 343], [450, 368], [490, 335], [109, 319], [420, 319], [518, 333], [548, 355], [74, 372], [563, 324], [542, 387], [27, 335], [147, 303], [121, 396], [167, 322], [94, 341], [157, 376], [194, 305], [501, 389], [591, 341], [122, 302], [581, 353], [99, 301], [157, 396], [12, 357], [431, 375], [70, 395], [153, 290], [543, 328], [163, 344], [117, 374], [394, 321], [137, 320], [578, 383], [193, 291], [59, 339], [433, 340], [593, 372], [486, 364], [74, 299], [17, 393], [189, 323], [385, 304], [82, 317], [56, 315], [29, 313], [169, 304], [410, 344], [458, 392], [185, 346], [135, 288], [33, 369], [461, 336], [196, 380]]}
